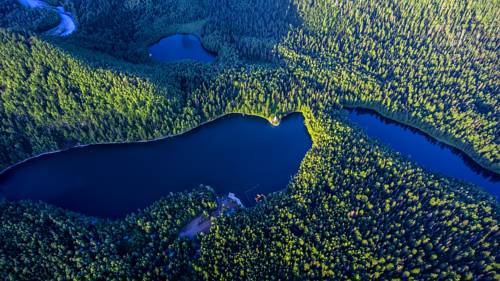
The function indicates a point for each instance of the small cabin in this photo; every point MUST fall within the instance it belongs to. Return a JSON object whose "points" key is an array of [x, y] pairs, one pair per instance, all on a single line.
{"points": [[275, 121]]}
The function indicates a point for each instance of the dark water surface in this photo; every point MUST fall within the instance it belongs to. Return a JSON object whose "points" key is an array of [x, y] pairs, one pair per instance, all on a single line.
{"points": [[425, 151], [245, 155], [180, 47]]}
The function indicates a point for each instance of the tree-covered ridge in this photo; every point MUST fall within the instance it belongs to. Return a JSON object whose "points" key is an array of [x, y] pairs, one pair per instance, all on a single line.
{"points": [[293, 83], [51, 101], [431, 64], [40, 242]]}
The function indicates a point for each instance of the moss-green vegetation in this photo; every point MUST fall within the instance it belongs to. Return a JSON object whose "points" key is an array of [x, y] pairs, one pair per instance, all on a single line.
{"points": [[50, 100], [428, 63], [353, 211]]}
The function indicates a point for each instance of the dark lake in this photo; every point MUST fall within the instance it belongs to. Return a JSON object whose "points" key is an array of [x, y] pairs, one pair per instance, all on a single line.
{"points": [[245, 155], [180, 47], [425, 151]]}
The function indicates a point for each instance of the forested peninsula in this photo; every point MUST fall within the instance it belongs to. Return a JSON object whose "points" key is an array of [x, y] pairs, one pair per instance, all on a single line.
{"points": [[355, 210]]}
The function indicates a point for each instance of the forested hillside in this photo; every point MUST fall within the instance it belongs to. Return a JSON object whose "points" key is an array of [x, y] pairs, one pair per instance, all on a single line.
{"points": [[51, 101], [430, 64], [354, 211], [123, 28], [40, 242]]}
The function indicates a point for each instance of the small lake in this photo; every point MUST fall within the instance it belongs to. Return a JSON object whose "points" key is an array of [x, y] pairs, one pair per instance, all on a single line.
{"points": [[245, 155], [180, 47], [425, 151]]}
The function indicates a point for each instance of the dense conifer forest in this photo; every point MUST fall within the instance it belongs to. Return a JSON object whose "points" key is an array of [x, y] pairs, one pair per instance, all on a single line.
{"points": [[355, 210]]}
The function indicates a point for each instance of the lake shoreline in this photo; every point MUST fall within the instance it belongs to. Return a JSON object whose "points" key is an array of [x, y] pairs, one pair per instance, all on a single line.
{"points": [[140, 141], [137, 174], [443, 139]]}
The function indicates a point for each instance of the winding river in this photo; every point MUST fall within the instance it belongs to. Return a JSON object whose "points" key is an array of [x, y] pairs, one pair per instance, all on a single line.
{"points": [[245, 155], [425, 151], [67, 24]]}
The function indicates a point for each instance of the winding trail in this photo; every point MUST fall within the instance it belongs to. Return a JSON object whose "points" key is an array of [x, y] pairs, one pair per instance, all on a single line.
{"points": [[67, 24]]}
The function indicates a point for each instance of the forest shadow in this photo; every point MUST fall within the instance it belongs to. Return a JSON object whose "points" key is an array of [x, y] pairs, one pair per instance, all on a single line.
{"points": [[253, 34], [230, 28], [249, 30]]}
